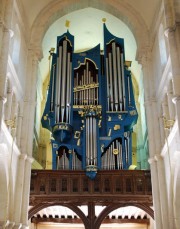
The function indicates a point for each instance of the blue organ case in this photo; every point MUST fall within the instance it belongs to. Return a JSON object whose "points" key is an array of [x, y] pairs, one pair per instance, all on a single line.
{"points": [[90, 108]]}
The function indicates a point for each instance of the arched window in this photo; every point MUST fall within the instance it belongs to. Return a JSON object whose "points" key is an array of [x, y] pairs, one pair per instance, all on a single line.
{"points": [[162, 46], [16, 46]]}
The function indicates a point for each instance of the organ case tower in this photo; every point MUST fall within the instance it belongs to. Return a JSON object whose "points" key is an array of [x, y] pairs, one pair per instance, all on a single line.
{"points": [[90, 108]]}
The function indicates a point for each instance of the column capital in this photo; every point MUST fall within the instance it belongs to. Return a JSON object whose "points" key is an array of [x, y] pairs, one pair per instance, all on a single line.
{"points": [[24, 226], [143, 55], [10, 31], [158, 157], [10, 225], [30, 159], [23, 156], [3, 99], [171, 29], [155, 158], [4, 224], [149, 101], [36, 52], [176, 98], [6, 29], [151, 160], [17, 226]]}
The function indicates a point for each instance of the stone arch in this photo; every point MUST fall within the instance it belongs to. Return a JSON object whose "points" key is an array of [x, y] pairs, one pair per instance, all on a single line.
{"points": [[73, 207], [3, 181], [121, 10], [113, 207]]}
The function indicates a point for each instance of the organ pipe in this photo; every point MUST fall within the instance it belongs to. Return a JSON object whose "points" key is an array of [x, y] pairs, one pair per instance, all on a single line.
{"points": [[115, 76], [123, 81], [119, 79], [90, 106], [52, 93]]}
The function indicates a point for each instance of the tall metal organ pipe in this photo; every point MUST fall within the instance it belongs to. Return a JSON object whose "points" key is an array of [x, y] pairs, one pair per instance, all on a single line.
{"points": [[90, 106]]}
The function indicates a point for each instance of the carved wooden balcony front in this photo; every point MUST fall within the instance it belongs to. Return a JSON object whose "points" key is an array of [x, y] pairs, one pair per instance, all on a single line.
{"points": [[75, 187]]}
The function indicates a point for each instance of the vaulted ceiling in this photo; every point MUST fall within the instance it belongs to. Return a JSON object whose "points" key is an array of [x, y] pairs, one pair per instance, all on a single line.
{"points": [[146, 9]]}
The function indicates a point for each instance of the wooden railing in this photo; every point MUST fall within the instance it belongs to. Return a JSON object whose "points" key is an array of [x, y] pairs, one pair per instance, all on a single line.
{"points": [[70, 185]]}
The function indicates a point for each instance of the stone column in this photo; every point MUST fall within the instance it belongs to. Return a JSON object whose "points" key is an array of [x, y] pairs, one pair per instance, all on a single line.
{"points": [[165, 109], [153, 166], [156, 194], [173, 35], [10, 225], [162, 132], [19, 188], [170, 102], [26, 193], [2, 12], [27, 130], [3, 224], [9, 96], [5, 35], [172, 32], [160, 169], [19, 125], [163, 193], [29, 102], [158, 177]]}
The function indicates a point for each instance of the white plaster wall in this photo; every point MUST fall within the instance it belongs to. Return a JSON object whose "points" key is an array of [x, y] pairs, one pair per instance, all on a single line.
{"points": [[4, 181]]}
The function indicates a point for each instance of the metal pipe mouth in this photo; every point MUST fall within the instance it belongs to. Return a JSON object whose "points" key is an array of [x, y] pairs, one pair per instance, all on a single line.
{"points": [[62, 132], [92, 168]]}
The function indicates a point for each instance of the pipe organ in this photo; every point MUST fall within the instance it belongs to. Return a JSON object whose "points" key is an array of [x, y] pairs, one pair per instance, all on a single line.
{"points": [[90, 108]]}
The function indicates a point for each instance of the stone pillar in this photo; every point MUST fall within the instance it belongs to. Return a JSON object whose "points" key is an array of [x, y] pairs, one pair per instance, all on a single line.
{"points": [[27, 130], [176, 101], [10, 225], [161, 169], [162, 132], [29, 103], [17, 226], [19, 125], [163, 193], [165, 109], [26, 193], [172, 32], [6, 34], [3, 224], [32, 105], [173, 35], [170, 102], [156, 194], [9, 96], [158, 176], [19, 188], [153, 166]]}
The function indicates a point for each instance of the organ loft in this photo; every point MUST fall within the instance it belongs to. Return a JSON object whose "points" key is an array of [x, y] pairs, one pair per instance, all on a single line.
{"points": [[90, 108]]}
